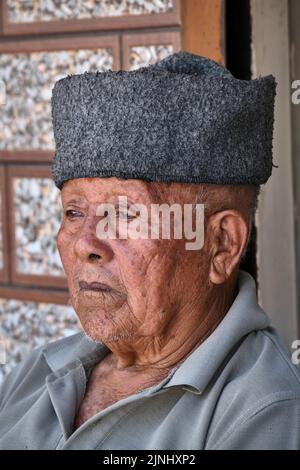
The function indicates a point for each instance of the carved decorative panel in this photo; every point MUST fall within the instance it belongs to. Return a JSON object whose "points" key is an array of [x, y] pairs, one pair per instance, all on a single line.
{"points": [[25, 119], [37, 210], [1, 235], [28, 325], [3, 229], [50, 16], [141, 56], [29, 11], [140, 50]]}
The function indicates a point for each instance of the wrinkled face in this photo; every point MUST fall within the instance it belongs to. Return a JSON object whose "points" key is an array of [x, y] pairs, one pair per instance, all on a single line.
{"points": [[123, 288]]}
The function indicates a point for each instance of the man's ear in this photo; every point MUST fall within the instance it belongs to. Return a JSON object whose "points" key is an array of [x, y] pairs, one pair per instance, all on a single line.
{"points": [[228, 232]]}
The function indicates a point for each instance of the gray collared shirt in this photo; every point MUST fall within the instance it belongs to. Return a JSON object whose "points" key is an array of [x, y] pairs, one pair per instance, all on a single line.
{"points": [[238, 390]]}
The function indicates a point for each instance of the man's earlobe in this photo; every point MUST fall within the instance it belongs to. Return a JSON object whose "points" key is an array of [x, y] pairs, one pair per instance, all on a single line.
{"points": [[229, 233], [218, 271]]}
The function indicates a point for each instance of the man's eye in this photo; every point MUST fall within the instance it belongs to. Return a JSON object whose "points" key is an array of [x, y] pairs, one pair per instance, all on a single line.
{"points": [[72, 214], [128, 215]]}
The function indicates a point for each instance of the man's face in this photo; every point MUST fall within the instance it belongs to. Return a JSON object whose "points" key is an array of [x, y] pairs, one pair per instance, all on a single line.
{"points": [[149, 281]]}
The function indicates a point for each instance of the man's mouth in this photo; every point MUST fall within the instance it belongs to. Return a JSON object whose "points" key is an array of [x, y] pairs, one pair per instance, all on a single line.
{"points": [[94, 286]]}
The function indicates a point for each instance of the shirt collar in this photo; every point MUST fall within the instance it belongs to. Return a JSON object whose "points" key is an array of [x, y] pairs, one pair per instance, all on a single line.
{"points": [[243, 317], [194, 374], [79, 346]]}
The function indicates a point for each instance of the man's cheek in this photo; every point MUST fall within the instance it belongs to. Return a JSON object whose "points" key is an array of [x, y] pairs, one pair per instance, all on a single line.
{"points": [[132, 267], [64, 239], [65, 249]]}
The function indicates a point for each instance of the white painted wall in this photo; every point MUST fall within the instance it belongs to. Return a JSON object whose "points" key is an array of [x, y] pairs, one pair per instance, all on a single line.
{"points": [[275, 218]]}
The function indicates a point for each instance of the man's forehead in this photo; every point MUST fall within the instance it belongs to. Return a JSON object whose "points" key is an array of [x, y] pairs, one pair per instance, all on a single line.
{"points": [[107, 189], [82, 188]]}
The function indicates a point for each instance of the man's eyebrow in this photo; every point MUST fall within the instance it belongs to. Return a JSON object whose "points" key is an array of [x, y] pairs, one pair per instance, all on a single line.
{"points": [[74, 201]]}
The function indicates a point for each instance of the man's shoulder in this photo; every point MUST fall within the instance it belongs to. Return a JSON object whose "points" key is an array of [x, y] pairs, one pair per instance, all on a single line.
{"points": [[31, 372], [259, 375], [260, 368], [264, 361], [260, 396]]}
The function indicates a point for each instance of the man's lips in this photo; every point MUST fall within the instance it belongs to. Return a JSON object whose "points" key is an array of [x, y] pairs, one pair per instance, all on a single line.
{"points": [[95, 286]]}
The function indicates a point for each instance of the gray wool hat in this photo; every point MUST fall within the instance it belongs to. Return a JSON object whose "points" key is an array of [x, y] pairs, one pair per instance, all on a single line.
{"points": [[184, 119]]}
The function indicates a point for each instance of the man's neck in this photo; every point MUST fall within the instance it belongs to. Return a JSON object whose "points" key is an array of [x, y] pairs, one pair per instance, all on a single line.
{"points": [[186, 332]]}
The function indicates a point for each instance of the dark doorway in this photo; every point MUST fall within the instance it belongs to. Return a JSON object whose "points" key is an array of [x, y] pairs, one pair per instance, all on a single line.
{"points": [[238, 61]]}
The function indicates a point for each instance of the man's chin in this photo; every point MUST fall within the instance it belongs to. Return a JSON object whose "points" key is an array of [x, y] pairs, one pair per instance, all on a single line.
{"points": [[105, 333]]}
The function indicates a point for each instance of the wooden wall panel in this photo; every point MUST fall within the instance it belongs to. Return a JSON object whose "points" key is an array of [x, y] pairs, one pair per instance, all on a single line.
{"points": [[4, 274], [15, 114], [35, 294], [18, 275], [203, 28], [193, 25], [118, 22], [130, 41]]}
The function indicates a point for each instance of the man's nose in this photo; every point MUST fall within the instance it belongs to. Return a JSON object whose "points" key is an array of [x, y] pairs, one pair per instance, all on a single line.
{"points": [[88, 247]]}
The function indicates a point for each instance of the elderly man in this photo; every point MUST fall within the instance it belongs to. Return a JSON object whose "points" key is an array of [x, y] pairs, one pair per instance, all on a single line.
{"points": [[176, 352]]}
